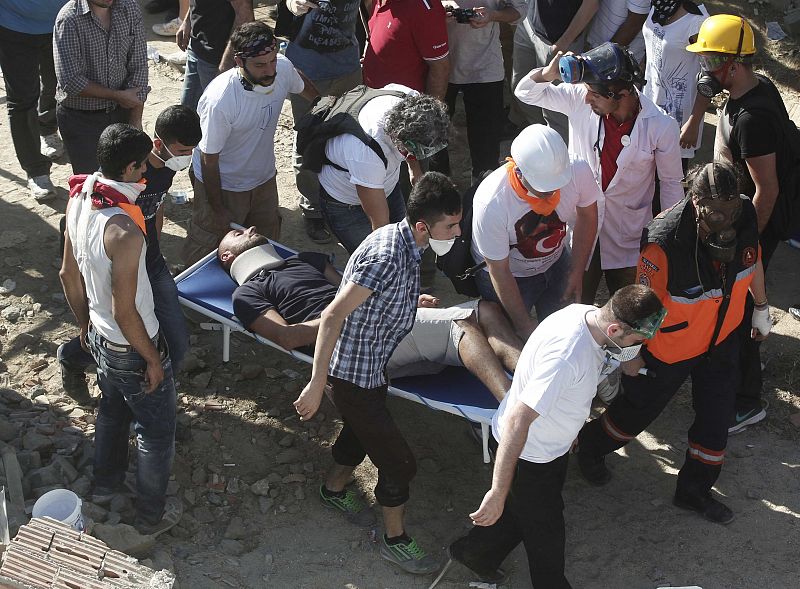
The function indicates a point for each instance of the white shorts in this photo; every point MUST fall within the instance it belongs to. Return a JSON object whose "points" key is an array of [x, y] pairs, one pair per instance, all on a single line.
{"points": [[432, 343]]}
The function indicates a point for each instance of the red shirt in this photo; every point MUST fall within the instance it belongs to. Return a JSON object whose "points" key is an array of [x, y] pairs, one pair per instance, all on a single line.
{"points": [[404, 34], [612, 146]]}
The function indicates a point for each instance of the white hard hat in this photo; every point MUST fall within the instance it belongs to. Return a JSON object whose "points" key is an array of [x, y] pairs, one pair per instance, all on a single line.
{"points": [[541, 155]]}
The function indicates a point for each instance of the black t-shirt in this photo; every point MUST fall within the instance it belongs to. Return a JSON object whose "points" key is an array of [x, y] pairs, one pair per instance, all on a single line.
{"points": [[159, 181], [552, 17], [212, 21], [297, 290]]}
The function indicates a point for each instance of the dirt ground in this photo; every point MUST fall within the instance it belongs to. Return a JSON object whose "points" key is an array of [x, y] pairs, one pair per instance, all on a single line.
{"points": [[237, 428]]}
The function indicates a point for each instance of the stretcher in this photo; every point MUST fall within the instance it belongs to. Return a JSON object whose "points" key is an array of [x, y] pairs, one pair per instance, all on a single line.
{"points": [[206, 288]]}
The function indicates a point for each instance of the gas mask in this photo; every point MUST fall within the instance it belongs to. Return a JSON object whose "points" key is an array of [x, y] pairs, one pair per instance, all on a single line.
{"points": [[708, 85], [718, 217], [602, 65], [176, 163]]}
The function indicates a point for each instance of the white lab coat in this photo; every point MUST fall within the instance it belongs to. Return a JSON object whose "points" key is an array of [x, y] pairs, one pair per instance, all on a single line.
{"points": [[628, 198]]}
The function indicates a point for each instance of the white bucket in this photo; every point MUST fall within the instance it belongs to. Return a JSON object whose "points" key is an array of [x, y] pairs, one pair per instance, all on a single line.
{"points": [[62, 505]]}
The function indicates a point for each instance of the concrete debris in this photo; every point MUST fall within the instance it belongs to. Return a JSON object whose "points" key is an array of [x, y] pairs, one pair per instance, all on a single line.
{"points": [[46, 553], [125, 538]]}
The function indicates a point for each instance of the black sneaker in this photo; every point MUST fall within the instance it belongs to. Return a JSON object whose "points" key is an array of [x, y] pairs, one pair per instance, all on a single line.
{"points": [[593, 468], [713, 510], [496, 576], [74, 383], [354, 509], [744, 418], [316, 230]]}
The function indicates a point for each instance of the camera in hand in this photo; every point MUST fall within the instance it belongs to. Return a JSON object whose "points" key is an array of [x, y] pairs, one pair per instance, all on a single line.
{"points": [[462, 15]]}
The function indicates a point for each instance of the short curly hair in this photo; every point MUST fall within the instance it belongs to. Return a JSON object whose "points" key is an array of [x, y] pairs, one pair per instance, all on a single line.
{"points": [[419, 118]]}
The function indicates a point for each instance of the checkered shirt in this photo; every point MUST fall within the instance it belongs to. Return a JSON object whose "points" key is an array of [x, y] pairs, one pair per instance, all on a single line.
{"points": [[387, 263], [84, 52]]}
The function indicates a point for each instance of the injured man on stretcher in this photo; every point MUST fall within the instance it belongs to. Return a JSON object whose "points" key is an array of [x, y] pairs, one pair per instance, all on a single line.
{"points": [[282, 299]]}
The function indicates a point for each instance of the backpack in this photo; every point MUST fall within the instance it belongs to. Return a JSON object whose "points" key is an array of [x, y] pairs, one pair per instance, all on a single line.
{"points": [[785, 218], [333, 116]]}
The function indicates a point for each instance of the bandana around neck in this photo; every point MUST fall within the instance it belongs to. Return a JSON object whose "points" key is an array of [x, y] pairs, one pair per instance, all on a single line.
{"points": [[107, 193], [541, 206]]}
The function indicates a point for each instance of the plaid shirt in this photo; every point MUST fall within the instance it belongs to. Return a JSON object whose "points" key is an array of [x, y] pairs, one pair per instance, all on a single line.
{"points": [[387, 263], [84, 52]]}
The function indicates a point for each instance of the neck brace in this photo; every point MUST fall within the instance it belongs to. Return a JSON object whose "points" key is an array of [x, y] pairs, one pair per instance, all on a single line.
{"points": [[253, 261]]}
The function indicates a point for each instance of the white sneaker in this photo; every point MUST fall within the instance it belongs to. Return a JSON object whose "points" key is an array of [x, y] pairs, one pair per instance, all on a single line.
{"points": [[41, 188], [169, 28], [51, 146], [177, 58]]}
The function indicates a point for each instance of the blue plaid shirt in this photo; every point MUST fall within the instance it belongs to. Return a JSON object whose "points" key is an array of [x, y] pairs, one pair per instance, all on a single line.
{"points": [[387, 263]]}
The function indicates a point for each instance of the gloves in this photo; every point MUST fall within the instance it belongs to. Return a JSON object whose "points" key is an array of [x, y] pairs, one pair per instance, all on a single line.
{"points": [[762, 322], [299, 7]]}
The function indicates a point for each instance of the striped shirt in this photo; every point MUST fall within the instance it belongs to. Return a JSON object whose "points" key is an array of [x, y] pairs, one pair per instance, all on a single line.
{"points": [[84, 52], [387, 263]]}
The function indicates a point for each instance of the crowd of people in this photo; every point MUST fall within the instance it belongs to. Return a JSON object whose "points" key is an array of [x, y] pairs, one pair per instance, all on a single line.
{"points": [[622, 87]]}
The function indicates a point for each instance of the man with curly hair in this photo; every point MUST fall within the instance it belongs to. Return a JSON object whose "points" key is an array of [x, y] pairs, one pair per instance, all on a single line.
{"points": [[359, 187]]}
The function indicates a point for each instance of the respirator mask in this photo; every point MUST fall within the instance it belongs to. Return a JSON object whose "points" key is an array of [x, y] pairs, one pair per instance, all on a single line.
{"points": [[599, 67]]}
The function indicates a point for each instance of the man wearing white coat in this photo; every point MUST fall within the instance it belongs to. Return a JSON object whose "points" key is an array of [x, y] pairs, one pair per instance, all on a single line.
{"points": [[626, 139]]}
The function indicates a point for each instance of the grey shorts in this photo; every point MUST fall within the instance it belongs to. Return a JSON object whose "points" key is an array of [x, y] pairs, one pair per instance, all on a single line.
{"points": [[432, 343]]}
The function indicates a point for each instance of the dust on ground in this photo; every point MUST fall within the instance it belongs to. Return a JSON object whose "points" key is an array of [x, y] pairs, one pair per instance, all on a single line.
{"points": [[248, 471]]}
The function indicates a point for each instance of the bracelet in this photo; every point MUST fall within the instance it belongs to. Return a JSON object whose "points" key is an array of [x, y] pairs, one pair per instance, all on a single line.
{"points": [[762, 304]]}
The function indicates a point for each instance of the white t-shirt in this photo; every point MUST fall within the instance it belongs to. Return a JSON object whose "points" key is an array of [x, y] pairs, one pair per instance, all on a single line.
{"points": [[364, 166], [671, 71], [499, 221], [556, 376], [240, 126], [608, 19], [475, 54]]}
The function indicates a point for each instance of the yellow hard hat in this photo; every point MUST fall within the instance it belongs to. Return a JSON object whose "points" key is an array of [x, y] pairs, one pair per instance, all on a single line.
{"points": [[724, 33]]}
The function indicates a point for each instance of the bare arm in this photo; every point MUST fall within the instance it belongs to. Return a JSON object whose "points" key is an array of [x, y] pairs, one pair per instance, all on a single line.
{"points": [[330, 328], [585, 14], [583, 236], [438, 77], [515, 433], [209, 165], [373, 201], [242, 13], [758, 287], [764, 173], [414, 170], [508, 292], [74, 288], [274, 327], [123, 243], [159, 220], [629, 29], [310, 91], [332, 275], [691, 127]]}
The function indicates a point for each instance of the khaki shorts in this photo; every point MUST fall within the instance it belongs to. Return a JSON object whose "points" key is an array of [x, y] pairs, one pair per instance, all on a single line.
{"points": [[432, 343]]}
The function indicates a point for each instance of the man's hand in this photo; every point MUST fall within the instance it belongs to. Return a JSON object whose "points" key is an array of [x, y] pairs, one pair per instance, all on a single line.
{"points": [[153, 375], [574, 288], [309, 400], [129, 98], [689, 132], [427, 301], [449, 4], [483, 16], [551, 72], [82, 338], [183, 34], [300, 7], [525, 331], [222, 217], [631, 367], [762, 323], [490, 510]]}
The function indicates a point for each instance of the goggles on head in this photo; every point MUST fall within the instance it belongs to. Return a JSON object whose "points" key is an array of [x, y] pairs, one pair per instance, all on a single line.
{"points": [[647, 326], [422, 152]]}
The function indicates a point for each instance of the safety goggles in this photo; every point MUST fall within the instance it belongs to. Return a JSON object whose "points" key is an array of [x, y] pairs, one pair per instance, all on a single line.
{"points": [[646, 327], [423, 152], [712, 63]]}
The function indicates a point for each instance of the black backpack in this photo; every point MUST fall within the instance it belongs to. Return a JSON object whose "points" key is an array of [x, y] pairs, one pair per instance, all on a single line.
{"points": [[785, 218], [333, 116]]}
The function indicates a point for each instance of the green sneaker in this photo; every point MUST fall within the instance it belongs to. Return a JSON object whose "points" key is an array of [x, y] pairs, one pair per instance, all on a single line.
{"points": [[409, 557], [351, 506]]}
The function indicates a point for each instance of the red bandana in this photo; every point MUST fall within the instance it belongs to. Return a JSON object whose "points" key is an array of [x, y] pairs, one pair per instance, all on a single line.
{"points": [[104, 197]]}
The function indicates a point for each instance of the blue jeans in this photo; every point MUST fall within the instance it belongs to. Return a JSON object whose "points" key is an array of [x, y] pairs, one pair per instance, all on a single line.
{"points": [[350, 223], [120, 375], [198, 75], [543, 291], [170, 319]]}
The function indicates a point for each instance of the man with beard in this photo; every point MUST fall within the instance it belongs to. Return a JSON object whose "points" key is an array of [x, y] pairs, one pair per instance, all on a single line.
{"points": [[701, 258], [234, 165]]}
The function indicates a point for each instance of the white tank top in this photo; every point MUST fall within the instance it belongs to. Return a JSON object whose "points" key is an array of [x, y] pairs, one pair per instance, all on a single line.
{"points": [[86, 229]]}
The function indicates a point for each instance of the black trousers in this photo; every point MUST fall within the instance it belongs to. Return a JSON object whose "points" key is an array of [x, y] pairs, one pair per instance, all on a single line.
{"points": [[749, 394], [533, 515], [714, 382], [370, 430], [81, 129], [30, 77], [483, 104]]}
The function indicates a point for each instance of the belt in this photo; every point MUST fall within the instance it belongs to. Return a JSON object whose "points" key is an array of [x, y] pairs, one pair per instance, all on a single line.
{"points": [[330, 200], [158, 342], [98, 111]]}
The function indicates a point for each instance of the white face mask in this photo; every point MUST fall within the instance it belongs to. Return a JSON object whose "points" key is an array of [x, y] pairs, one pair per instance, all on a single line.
{"points": [[441, 246], [622, 354], [176, 163]]}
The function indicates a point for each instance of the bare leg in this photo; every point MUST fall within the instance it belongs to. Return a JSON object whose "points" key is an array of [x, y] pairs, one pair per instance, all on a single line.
{"points": [[480, 359], [501, 336], [338, 477], [183, 8], [393, 521]]}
